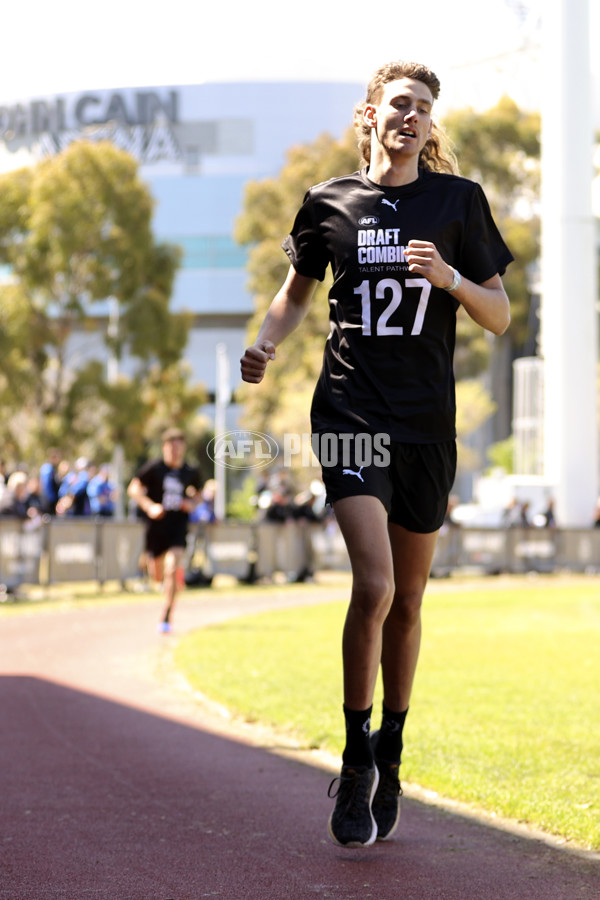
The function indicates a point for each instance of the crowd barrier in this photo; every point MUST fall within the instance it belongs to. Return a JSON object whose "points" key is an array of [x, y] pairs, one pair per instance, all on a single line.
{"points": [[259, 550], [82, 549], [70, 549], [517, 550]]}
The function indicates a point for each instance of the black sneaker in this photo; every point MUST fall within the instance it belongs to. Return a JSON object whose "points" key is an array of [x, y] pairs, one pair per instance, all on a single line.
{"points": [[351, 823], [386, 801]]}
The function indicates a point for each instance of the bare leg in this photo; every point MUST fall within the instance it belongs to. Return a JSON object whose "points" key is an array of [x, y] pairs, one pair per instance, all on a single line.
{"points": [[382, 627], [413, 555], [172, 561], [155, 568], [364, 526]]}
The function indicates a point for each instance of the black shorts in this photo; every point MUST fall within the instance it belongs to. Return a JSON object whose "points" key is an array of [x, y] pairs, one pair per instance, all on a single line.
{"points": [[413, 481], [159, 538]]}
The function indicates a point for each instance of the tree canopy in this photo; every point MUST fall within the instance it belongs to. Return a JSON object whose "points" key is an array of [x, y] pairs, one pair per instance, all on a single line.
{"points": [[76, 244], [500, 149], [279, 404]]}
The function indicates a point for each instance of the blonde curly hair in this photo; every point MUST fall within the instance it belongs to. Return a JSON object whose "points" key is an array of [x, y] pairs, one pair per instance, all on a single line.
{"points": [[437, 154]]}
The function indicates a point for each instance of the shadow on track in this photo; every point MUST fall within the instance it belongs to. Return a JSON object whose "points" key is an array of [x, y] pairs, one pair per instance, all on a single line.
{"points": [[103, 800]]}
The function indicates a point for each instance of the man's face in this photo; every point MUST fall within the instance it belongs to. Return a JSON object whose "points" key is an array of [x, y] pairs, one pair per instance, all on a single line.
{"points": [[402, 117], [174, 452]]}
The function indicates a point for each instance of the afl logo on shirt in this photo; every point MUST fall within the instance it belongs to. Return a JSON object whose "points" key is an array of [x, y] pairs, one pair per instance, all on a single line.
{"points": [[369, 220]]}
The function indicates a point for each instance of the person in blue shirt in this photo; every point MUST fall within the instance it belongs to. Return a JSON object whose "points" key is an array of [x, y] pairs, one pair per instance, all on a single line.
{"points": [[50, 481], [101, 493], [73, 498]]}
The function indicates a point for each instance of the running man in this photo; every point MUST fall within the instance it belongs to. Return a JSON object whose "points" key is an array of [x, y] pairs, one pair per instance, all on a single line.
{"points": [[409, 243], [166, 490]]}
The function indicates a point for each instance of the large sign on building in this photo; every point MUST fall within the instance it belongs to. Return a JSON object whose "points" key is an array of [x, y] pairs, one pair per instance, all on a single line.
{"points": [[144, 122]]}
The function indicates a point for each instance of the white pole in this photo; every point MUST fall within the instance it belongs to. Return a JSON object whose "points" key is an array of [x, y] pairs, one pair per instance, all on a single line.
{"points": [[222, 398], [118, 458], [569, 296]]}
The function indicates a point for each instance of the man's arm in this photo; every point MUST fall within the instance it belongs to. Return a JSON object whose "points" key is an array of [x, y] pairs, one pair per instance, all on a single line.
{"points": [[138, 493], [486, 303], [287, 310]]}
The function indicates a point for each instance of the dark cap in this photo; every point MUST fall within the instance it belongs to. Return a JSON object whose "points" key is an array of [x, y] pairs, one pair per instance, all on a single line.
{"points": [[173, 434]]}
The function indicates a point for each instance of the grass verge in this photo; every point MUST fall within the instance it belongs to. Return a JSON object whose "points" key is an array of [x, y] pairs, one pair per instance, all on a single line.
{"points": [[504, 714]]}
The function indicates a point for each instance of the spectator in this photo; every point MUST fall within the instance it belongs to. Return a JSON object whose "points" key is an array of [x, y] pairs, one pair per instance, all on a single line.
{"points": [[204, 513], [101, 493], [34, 494], [50, 481], [277, 500], [511, 517], [308, 508], [524, 521], [309, 505], [546, 518], [73, 498], [15, 499]]}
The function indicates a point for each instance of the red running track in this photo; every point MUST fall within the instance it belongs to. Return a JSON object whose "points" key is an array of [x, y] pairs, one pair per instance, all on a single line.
{"points": [[116, 783]]}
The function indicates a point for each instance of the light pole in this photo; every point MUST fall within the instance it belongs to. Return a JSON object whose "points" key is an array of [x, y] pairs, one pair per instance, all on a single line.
{"points": [[222, 398], [569, 295], [112, 375]]}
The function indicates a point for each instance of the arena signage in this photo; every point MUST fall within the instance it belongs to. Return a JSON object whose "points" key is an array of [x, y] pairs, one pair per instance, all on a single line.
{"points": [[24, 121]]}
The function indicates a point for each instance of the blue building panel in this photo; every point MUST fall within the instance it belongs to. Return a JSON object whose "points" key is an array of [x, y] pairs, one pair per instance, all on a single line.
{"points": [[196, 204], [212, 292]]}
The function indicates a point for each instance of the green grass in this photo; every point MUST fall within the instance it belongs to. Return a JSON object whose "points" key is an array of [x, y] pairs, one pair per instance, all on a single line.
{"points": [[505, 712]]}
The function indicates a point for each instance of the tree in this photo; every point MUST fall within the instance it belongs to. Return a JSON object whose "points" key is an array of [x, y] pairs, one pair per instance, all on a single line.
{"points": [[279, 404], [76, 236], [474, 406], [500, 149]]}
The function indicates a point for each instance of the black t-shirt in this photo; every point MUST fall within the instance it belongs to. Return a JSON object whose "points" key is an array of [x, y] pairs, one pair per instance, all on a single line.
{"points": [[168, 486], [387, 365]]}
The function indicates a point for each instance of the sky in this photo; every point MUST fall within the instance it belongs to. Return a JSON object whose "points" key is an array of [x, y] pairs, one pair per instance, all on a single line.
{"points": [[67, 45]]}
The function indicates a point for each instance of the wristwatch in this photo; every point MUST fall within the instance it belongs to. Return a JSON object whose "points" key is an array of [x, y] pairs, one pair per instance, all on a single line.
{"points": [[455, 282]]}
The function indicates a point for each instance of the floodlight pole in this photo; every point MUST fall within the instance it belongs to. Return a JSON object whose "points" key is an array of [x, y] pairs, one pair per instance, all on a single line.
{"points": [[118, 457], [569, 293], [222, 398]]}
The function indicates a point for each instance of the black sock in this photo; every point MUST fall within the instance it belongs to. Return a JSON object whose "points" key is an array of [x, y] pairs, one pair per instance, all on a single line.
{"points": [[358, 748], [389, 740]]}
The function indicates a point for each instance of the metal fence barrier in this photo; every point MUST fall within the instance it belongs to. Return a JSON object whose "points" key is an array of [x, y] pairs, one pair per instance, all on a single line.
{"points": [[21, 551], [260, 550], [517, 550], [82, 549], [70, 549]]}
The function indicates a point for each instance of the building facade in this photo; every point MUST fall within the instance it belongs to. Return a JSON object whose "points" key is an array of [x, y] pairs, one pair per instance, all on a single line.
{"points": [[197, 146]]}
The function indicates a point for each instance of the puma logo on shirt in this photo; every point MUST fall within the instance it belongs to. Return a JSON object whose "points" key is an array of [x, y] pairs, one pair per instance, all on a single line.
{"points": [[352, 472]]}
